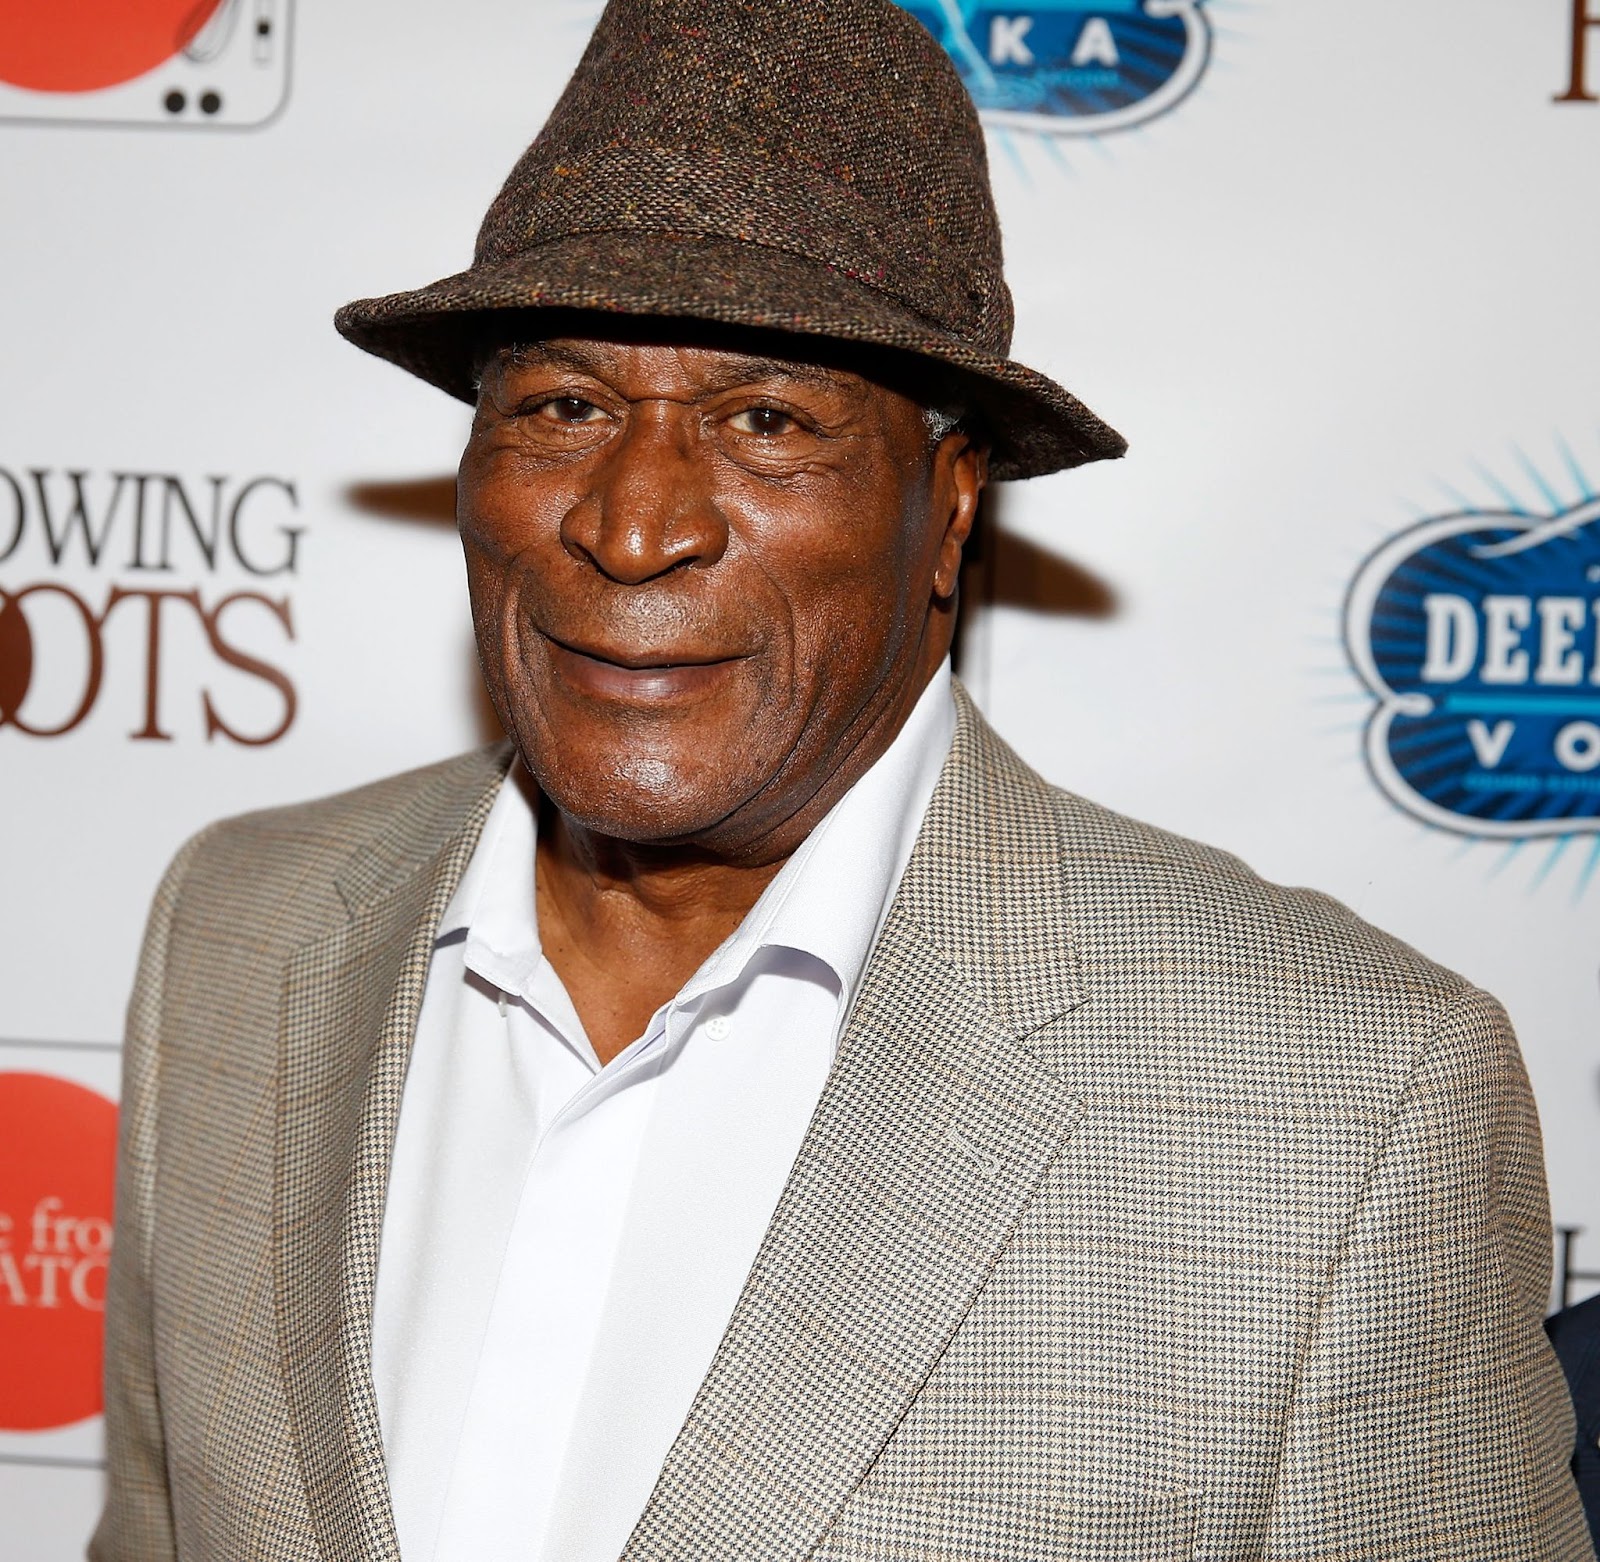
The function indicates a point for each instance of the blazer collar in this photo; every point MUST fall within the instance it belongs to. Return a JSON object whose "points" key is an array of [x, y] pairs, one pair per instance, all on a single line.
{"points": [[350, 1004], [984, 883], [941, 1116]]}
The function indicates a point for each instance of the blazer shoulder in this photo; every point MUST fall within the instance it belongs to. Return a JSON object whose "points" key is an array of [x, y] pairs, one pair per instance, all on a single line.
{"points": [[373, 805], [1146, 910], [1208, 900], [311, 856], [1201, 959]]}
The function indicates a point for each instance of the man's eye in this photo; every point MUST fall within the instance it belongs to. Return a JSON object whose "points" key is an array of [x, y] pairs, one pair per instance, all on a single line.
{"points": [[569, 409], [766, 421]]}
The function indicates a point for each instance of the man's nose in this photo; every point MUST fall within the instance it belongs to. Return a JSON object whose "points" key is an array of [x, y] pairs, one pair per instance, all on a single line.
{"points": [[652, 507]]}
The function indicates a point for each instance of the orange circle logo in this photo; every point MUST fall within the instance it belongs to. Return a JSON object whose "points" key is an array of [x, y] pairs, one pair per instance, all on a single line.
{"points": [[58, 1144], [83, 45]]}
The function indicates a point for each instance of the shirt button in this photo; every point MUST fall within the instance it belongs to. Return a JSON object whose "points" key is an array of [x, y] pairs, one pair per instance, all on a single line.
{"points": [[720, 1028]]}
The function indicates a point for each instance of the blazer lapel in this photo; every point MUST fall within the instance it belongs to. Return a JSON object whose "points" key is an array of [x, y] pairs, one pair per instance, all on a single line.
{"points": [[940, 1117], [351, 1000]]}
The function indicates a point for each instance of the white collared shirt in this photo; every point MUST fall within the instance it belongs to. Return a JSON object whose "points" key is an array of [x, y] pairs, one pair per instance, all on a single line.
{"points": [[564, 1243]]}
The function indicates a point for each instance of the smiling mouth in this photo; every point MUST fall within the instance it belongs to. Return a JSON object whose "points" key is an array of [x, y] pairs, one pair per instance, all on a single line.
{"points": [[639, 661], [637, 676]]}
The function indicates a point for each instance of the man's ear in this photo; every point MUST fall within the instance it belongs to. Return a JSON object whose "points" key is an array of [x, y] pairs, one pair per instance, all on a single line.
{"points": [[960, 473]]}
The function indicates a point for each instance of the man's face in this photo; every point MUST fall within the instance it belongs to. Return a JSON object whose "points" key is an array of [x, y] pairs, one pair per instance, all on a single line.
{"points": [[707, 586]]}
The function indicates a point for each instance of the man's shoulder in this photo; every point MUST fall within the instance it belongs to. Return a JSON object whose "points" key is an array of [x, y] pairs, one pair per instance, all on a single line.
{"points": [[370, 807], [1194, 895], [1202, 959], [312, 852], [1133, 890], [1184, 951]]}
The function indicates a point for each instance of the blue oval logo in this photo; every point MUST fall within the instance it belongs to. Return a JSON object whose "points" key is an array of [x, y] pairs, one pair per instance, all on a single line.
{"points": [[1072, 69], [1479, 635]]}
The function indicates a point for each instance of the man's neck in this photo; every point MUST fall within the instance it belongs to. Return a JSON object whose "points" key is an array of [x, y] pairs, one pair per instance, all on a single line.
{"points": [[625, 927]]}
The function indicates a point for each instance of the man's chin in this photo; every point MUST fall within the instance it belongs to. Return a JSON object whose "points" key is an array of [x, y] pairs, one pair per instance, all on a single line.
{"points": [[646, 801]]}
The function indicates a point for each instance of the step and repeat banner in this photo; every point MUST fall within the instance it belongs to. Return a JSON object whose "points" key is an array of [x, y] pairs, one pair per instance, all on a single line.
{"points": [[1329, 266]]}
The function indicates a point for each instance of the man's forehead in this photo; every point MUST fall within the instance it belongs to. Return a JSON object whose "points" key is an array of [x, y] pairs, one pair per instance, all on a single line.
{"points": [[712, 365]]}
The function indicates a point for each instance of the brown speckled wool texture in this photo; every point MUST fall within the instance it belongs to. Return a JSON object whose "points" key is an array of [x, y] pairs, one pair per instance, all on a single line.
{"points": [[806, 166]]}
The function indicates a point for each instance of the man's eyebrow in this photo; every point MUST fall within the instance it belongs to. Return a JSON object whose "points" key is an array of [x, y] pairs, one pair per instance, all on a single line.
{"points": [[741, 370]]}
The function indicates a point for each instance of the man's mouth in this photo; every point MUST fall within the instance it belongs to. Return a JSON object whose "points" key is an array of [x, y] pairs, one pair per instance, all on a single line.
{"points": [[637, 675], [635, 659]]}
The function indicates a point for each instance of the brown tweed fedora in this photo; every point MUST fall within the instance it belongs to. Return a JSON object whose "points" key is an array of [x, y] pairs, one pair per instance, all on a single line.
{"points": [[804, 166]]}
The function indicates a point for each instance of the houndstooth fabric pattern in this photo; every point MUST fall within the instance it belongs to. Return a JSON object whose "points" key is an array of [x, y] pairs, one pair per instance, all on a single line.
{"points": [[1151, 1212]]}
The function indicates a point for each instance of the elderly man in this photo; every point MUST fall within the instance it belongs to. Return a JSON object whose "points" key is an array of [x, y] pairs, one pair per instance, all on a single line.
{"points": [[759, 1118]]}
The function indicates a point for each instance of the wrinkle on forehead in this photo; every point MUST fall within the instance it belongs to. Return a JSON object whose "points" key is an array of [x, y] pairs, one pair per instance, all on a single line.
{"points": [[712, 369]]}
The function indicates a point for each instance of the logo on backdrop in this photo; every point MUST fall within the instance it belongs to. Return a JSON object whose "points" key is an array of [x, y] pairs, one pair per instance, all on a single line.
{"points": [[1478, 633], [194, 64], [1071, 68], [57, 1152], [1583, 19], [165, 547]]}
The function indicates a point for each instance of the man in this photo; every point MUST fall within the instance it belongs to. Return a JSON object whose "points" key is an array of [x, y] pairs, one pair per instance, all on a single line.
{"points": [[768, 1121]]}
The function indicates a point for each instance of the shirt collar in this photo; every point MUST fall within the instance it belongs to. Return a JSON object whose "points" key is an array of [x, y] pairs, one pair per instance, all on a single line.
{"points": [[829, 900], [494, 905]]}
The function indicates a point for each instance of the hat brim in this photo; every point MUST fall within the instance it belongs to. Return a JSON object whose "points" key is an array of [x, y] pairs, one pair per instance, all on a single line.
{"points": [[436, 332]]}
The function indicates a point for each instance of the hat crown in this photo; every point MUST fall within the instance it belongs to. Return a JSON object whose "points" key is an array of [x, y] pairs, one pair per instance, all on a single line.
{"points": [[833, 130]]}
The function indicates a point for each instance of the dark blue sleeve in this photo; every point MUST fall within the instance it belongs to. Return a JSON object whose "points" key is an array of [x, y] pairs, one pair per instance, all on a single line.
{"points": [[1575, 1334]]}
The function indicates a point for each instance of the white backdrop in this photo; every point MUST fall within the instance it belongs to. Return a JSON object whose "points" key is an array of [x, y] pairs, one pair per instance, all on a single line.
{"points": [[1342, 286]]}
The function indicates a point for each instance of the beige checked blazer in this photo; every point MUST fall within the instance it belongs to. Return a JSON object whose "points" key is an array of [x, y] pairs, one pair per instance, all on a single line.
{"points": [[1151, 1212]]}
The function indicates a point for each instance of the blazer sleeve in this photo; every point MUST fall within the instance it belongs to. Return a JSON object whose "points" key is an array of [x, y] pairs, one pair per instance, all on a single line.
{"points": [[1430, 1418], [136, 1521]]}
